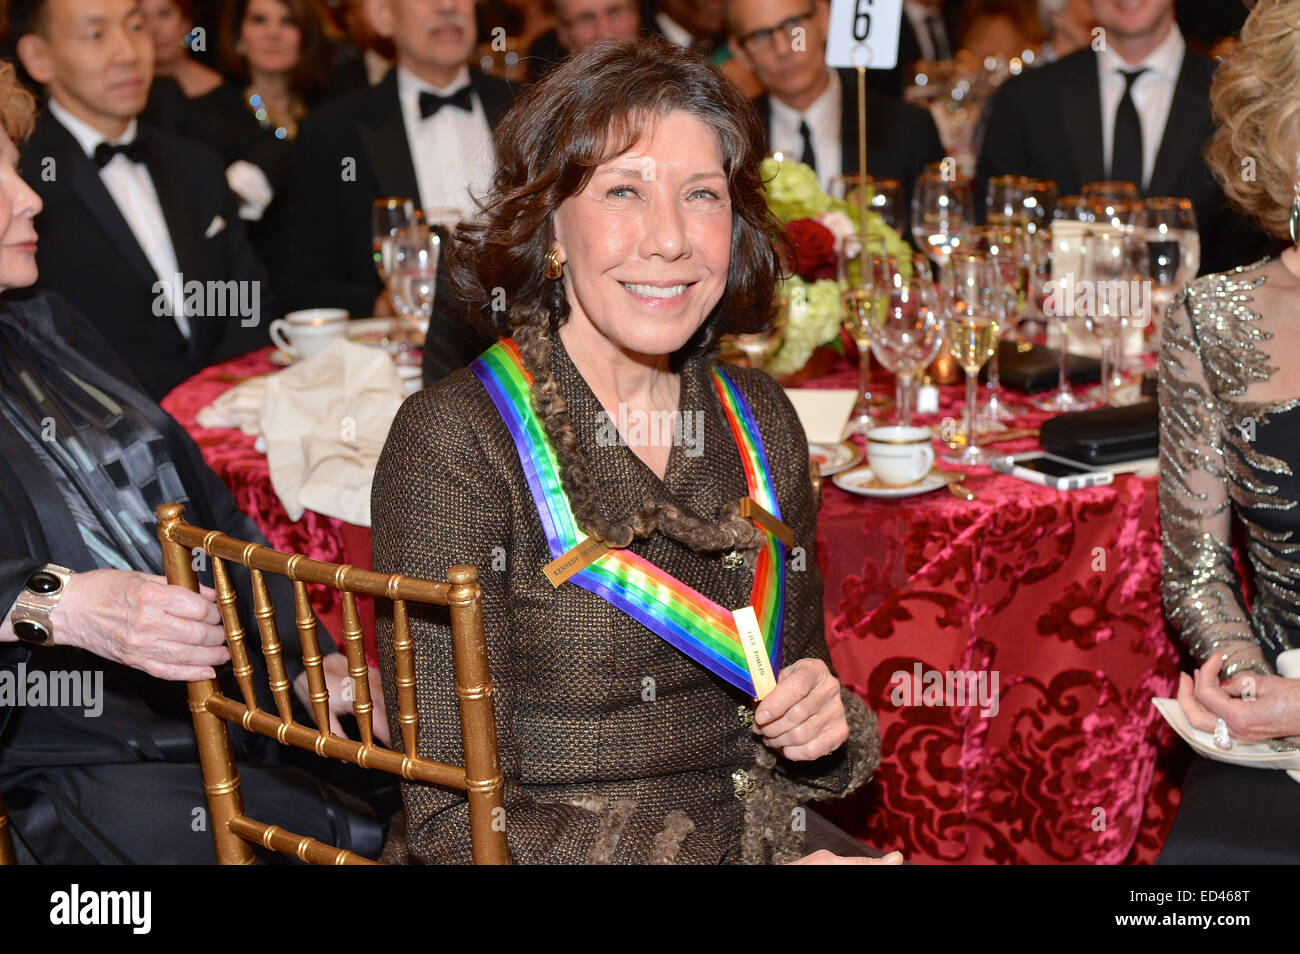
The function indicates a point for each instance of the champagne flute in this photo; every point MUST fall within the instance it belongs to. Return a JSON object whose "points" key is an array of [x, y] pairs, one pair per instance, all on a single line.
{"points": [[1053, 305], [1108, 269], [1172, 250], [413, 279], [973, 308], [863, 271], [388, 216], [909, 336], [1007, 248]]}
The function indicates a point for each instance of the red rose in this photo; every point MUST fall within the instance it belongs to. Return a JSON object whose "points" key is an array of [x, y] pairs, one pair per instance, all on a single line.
{"points": [[814, 249]]}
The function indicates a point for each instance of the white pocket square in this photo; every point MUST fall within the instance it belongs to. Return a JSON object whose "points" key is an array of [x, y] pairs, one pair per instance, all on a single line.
{"points": [[215, 226]]}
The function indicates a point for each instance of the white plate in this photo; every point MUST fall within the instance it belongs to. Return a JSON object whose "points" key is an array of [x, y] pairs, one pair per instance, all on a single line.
{"points": [[833, 458], [859, 482]]}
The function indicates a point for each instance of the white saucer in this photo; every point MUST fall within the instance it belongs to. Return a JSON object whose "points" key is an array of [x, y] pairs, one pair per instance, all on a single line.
{"points": [[834, 458], [859, 482]]}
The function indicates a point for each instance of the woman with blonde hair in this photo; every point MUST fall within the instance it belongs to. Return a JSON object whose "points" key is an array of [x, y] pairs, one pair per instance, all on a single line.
{"points": [[1230, 454]]}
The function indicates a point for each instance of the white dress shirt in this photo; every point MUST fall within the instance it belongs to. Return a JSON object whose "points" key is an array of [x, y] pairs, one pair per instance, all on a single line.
{"points": [[1153, 94], [825, 118], [133, 192], [452, 150]]}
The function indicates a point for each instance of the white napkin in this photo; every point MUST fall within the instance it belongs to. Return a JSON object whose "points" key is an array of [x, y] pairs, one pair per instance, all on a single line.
{"points": [[823, 412], [239, 407], [325, 420], [1252, 754]]}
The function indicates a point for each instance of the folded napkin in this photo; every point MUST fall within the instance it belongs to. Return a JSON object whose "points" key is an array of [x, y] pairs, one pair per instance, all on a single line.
{"points": [[823, 412], [325, 420]]}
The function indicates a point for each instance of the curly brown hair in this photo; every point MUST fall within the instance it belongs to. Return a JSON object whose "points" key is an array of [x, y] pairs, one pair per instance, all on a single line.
{"points": [[1258, 115], [594, 107]]}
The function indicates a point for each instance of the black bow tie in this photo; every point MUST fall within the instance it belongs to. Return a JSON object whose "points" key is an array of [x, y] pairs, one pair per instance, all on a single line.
{"points": [[133, 150], [430, 103]]}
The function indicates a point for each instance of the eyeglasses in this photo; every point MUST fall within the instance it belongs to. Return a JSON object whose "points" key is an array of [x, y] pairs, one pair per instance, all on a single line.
{"points": [[762, 38]]}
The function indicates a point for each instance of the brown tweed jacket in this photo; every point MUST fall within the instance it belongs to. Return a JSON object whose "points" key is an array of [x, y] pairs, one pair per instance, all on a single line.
{"points": [[614, 745]]}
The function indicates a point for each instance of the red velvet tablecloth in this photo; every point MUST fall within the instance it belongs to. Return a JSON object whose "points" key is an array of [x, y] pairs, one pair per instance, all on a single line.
{"points": [[1058, 594]]}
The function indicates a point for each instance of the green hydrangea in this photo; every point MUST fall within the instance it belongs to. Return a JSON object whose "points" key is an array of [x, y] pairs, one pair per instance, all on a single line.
{"points": [[812, 319]]}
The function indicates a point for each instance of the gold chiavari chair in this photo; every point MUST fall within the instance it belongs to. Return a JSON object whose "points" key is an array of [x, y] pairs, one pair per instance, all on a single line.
{"points": [[480, 777], [7, 856]]}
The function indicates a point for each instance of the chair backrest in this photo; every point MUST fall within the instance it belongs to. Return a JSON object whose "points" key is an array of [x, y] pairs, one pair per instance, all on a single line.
{"points": [[480, 776], [7, 856]]}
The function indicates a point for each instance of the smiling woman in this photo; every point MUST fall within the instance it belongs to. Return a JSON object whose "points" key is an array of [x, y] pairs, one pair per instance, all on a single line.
{"points": [[639, 594]]}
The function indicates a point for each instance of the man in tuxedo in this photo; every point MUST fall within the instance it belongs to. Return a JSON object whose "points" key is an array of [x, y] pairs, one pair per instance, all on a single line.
{"points": [[579, 24], [139, 230], [810, 112], [425, 133], [1137, 108]]}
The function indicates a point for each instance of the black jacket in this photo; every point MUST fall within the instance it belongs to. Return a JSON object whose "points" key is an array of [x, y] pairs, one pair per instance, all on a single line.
{"points": [[146, 717], [901, 138], [348, 154], [88, 253], [1047, 123]]}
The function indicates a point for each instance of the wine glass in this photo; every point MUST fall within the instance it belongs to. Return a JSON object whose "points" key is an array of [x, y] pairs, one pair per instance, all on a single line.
{"points": [[1007, 248], [759, 346], [942, 208], [388, 216], [884, 197], [1172, 249], [909, 336], [1108, 268], [1111, 189], [1004, 199], [865, 271], [412, 282], [1072, 208], [973, 306], [1038, 203], [1049, 302]]}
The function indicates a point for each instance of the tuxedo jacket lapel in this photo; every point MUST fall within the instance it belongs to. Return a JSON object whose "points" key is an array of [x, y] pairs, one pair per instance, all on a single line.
{"points": [[384, 141], [171, 196], [84, 180], [1081, 105]]}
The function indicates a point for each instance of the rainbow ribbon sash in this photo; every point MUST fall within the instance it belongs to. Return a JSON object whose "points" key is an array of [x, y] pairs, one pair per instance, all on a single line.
{"points": [[687, 619]]}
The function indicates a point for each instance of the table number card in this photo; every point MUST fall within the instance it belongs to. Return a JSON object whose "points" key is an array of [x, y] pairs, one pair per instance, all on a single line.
{"points": [[864, 33]]}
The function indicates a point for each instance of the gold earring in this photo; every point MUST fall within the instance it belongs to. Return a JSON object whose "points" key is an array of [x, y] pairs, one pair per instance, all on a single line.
{"points": [[554, 267]]}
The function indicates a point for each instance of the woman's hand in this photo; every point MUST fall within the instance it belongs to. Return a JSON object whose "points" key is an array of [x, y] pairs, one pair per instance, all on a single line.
{"points": [[138, 620], [803, 717], [339, 684], [1255, 707], [824, 857]]}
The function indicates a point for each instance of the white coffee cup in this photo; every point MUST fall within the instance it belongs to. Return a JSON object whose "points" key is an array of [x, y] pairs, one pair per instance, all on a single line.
{"points": [[300, 334], [899, 455]]}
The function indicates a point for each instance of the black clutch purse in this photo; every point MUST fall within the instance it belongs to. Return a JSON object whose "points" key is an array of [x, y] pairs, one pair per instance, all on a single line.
{"points": [[1108, 435], [1037, 369]]}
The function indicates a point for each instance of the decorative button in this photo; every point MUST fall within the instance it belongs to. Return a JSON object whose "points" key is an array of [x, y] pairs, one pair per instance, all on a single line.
{"points": [[746, 715], [732, 560], [743, 783]]}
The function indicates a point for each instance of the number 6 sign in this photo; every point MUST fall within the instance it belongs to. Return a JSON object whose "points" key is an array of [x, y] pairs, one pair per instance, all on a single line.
{"points": [[864, 33]]}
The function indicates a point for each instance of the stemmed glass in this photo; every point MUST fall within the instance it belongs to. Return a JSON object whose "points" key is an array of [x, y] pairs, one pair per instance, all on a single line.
{"points": [[1072, 208], [1004, 199], [973, 306], [942, 209], [865, 271], [1007, 247], [1108, 267], [388, 216], [1053, 305], [1172, 250], [412, 282], [1111, 189], [1038, 204], [909, 336], [759, 346], [884, 197]]}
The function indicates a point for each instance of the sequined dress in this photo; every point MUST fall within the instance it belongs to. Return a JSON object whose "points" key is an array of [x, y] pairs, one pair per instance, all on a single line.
{"points": [[1229, 446]]}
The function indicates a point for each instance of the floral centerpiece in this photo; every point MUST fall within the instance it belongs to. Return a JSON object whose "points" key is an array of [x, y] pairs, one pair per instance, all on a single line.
{"points": [[815, 225]]}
